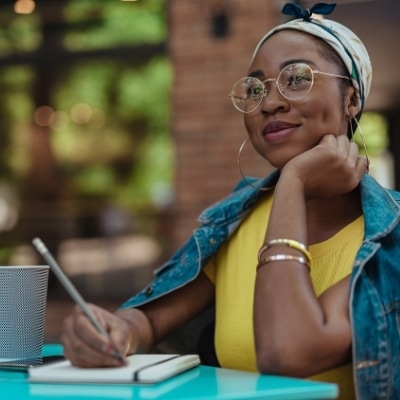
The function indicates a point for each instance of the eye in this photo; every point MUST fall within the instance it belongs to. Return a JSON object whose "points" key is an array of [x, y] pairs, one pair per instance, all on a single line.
{"points": [[298, 79], [255, 89]]}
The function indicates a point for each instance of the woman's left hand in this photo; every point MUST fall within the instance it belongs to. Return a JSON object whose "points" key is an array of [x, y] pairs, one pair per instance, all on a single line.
{"points": [[331, 168]]}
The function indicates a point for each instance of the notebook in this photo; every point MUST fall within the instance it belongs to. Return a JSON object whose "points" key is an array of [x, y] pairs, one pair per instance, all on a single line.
{"points": [[141, 368]]}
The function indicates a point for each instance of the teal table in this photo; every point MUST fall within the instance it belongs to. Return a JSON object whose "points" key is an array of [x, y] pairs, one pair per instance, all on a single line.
{"points": [[201, 383]]}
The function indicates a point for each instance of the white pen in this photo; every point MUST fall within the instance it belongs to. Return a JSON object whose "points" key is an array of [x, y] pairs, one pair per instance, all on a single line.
{"points": [[70, 288]]}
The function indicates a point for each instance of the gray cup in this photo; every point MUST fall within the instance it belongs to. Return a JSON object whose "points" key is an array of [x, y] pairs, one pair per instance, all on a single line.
{"points": [[23, 297]]}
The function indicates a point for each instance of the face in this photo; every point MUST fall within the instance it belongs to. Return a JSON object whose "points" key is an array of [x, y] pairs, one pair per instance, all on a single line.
{"points": [[279, 128]]}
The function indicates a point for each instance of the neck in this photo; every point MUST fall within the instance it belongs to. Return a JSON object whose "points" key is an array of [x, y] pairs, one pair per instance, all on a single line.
{"points": [[326, 217]]}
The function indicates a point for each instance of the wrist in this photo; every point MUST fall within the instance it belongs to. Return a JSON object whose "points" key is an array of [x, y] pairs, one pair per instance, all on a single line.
{"points": [[140, 330]]}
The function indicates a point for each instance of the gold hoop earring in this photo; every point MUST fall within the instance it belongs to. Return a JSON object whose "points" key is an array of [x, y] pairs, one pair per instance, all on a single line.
{"points": [[362, 139], [242, 146]]}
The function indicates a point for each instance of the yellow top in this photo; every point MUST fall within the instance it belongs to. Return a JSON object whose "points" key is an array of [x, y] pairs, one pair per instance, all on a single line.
{"points": [[233, 270]]}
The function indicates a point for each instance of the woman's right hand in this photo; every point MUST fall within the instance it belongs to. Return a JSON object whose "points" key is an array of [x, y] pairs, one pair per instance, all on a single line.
{"points": [[133, 330], [85, 346], [330, 169]]}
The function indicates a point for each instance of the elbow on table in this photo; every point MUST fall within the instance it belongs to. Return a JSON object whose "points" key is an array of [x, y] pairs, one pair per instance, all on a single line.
{"points": [[279, 361]]}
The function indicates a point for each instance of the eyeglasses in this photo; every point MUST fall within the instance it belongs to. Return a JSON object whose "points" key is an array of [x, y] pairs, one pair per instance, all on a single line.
{"points": [[294, 82]]}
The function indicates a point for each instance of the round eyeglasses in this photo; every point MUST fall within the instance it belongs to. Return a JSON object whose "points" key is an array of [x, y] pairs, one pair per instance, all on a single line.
{"points": [[294, 82]]}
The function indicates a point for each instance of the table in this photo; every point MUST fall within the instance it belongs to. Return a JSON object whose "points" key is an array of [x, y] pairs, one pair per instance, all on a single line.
{"points": [[200, 383]]}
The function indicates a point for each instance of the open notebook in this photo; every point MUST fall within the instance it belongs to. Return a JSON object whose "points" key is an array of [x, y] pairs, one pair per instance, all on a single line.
{"points": [[141, 368]]}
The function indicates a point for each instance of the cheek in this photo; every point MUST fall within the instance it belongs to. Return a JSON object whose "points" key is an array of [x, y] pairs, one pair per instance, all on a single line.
{"points": [[250, 123], [326, 115], [253, 125]]}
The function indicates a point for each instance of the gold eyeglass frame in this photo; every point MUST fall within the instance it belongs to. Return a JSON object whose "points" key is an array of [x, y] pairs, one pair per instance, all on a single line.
{"points": [[266, 91]]}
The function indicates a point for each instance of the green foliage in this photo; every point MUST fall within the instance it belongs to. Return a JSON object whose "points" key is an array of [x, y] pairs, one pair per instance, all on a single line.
{"points": [[134, 102], [146, 92], [86, 81], [128, 152], [16, 83], [95, 179], [19, 33], [112, 23], [16, 108], [5, 255], [374, 129], [120, 150], [152, 176]]}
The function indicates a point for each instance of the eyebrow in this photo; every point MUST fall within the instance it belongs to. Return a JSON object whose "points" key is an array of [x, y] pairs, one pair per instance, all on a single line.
{"points": [[259, 73]]}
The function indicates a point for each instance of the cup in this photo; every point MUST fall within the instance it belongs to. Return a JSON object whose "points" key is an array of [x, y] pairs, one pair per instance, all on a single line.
{"points": [[23, 297]]}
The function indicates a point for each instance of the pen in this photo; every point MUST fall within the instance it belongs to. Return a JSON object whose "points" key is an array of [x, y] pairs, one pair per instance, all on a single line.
{"points": [[70, 288]]}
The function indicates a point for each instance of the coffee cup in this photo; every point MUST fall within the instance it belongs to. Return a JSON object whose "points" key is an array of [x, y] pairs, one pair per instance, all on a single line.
{"points": [[23, 298]]}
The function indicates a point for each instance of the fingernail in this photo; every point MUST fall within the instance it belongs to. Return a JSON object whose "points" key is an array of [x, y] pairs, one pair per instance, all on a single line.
{"points": [[107, 348], [119, 358]]}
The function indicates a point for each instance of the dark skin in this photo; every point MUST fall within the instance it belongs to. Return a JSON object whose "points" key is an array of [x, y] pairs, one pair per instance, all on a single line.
{"points": [[133, 330], [305, 334], [309, 334], [296, 332]]}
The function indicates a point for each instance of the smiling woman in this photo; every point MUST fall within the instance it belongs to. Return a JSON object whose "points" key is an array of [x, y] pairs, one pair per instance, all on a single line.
{"points": [[295, 263], [301, 99]]}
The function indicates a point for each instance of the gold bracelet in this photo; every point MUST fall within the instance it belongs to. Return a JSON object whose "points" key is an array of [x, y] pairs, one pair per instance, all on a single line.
{"points": [[288, 242], [283, 257]]}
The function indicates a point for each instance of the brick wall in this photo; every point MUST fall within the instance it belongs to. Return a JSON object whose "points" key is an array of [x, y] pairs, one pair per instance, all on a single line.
{"points": [[207, 130]]}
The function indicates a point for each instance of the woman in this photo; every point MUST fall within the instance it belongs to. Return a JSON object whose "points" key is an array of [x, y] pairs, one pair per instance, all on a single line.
{"points": [[302, 265]]}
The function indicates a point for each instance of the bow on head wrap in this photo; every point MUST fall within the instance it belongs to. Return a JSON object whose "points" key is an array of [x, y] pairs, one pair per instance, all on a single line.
{"points": [[349, 47], [298, 12]]}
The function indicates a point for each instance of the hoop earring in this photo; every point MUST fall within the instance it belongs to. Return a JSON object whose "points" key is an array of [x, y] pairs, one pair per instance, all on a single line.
{"points": [[362, 139], [242, 146]]}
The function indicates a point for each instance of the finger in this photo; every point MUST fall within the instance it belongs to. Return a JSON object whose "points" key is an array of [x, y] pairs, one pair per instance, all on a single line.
{"points": [[86, 346], [118, 330], [85, 329], [343, 145], [362, 166], [120, 336], [329, 140], [350, 151], [82, 355], [353, 152]]}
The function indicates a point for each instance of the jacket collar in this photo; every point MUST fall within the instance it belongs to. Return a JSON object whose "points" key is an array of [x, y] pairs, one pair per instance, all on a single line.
{"points": [[239, 202], [381, 207]]}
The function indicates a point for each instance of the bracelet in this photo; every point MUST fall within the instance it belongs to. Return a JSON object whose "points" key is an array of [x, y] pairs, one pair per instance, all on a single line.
{"points": [[288, 242], [283, 257]]}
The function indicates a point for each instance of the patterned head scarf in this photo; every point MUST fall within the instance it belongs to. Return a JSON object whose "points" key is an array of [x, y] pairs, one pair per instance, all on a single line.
{"points": [[349, 47]]}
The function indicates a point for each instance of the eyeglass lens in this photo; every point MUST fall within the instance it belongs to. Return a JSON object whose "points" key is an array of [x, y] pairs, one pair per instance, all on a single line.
{"points": [[294, 83]]}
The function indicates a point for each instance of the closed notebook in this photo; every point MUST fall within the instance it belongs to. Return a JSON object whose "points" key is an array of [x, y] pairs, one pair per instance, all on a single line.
{"points": [[141, 368]]}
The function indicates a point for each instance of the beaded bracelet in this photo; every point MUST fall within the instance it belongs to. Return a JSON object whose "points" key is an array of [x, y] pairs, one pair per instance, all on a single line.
{"points": [[288, 242], [283, 257]]}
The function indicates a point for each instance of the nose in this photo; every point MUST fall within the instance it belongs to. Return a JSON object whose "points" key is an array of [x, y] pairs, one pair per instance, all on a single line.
{"points": [[273, 99]]}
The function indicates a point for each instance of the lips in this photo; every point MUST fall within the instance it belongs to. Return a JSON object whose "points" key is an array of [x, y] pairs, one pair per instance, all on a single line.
{"points": [[278, 131], [276, 126]]}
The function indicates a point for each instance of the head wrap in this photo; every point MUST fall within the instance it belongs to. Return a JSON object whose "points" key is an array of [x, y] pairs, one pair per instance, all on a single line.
{"points": [[349, 47]]}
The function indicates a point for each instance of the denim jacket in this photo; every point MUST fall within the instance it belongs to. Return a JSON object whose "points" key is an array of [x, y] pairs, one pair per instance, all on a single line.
{"points": [[375, 281]]}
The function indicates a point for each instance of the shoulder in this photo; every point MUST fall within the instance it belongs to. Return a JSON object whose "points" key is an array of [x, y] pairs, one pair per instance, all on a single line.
{"points": [[371, 188]]}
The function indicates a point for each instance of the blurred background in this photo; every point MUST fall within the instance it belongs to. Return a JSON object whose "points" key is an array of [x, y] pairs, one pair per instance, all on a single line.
{"points": [[116, 129]]}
